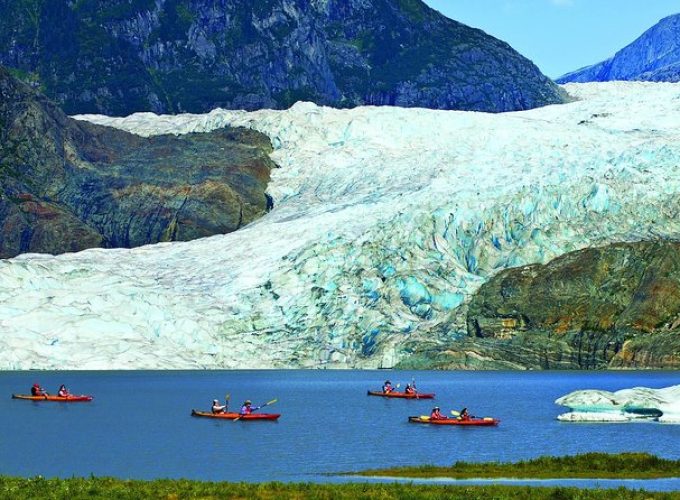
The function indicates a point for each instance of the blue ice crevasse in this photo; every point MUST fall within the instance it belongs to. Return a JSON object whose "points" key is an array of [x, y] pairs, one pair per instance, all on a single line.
{"points": [[412, 292], [368, 342], [447, 300], [598, 200], [387, 270]]}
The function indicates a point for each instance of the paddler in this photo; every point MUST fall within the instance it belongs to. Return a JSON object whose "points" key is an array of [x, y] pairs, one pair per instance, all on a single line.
{"points": [[409, 389], [387, 387], [247, 408], [218, 408], [436, 414], [63, 391], [36, 390]]}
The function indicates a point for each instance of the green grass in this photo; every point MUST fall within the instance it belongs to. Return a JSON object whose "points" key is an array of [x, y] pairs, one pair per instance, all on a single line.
{"points": [[586, 466], [107, 488]]}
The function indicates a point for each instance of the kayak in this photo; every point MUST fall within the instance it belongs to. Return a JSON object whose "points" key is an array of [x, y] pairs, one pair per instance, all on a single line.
{"points": [[486, 421], [68, 399], [403, 395], [235, 415]]}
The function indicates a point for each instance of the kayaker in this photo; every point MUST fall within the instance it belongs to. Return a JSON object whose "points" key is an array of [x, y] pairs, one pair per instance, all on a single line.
{"points": [[218, 408], [63, 391], [248, 407], [409, 389], [36, 390], [464, 415], [387, 387], [436, 414]]}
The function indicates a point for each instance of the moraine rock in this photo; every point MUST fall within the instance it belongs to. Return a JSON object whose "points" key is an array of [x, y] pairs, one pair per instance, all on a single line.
{"points": [[67, 185], [614, 306]]}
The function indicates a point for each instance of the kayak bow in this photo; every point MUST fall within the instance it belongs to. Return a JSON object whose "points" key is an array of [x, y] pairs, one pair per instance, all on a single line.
{"points": [[403, 395], [67, 399], [235, 415]]}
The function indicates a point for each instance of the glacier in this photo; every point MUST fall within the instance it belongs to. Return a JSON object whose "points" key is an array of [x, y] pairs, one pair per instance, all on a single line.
{"points": [[625, 405], [385, 222]]}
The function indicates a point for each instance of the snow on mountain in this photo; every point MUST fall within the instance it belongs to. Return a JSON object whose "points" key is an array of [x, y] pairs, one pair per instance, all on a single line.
{"points": [[386, 220], [624, 405]]}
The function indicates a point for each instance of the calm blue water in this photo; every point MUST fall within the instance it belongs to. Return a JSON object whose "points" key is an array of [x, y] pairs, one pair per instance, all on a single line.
{"points": [[139, 424]]}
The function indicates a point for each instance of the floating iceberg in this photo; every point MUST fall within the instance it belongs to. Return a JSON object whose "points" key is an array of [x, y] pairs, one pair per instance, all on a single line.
{"points": [[622, 406]]}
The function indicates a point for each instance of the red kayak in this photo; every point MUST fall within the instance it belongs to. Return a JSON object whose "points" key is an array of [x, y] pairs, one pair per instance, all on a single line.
{"points": [[486, 421], [234, 415], [68, 399], [403, 395]]}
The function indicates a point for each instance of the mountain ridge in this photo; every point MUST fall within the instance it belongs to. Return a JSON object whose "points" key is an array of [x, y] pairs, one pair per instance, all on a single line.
{"points": [[653, 56], [169, 56]]}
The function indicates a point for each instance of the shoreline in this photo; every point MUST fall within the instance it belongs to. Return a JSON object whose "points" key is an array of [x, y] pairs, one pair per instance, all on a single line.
{"points": [[105, 488], [587, 466]]}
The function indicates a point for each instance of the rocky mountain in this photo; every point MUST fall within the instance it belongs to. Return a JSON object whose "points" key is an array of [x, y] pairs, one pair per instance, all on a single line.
{"points": [[67, 185], [387, 223], [119, 56], [616, 306], [655, 56]]}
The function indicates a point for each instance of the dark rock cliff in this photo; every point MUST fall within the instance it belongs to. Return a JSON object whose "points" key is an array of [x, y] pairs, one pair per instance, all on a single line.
{"points": [[616, 306], [612, 307], [120, 56], [654, 56], [67, 185]]}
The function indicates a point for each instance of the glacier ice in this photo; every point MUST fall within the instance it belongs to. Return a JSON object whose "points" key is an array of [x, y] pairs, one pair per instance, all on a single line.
{"points": [[622, 406], [386, 220]]}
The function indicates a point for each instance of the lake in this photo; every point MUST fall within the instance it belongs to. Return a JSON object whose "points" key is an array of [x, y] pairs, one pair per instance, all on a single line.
{"points": [[139, 424]]}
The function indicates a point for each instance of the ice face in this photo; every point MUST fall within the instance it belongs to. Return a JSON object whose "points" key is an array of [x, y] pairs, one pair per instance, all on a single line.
{"points": [[386, 220], [622, 406]]}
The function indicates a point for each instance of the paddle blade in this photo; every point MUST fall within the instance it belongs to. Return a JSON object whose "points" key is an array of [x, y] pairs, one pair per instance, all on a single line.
{"points": [[455, 413], [424, 417], [269, 402]]}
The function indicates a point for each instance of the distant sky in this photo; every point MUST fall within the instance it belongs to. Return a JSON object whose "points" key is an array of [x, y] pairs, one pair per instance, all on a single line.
{"points": [[560, 35]]}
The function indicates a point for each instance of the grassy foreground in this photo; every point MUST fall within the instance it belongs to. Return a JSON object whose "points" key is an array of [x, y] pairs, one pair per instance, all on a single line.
{"points": [[106, 488], [586, 466]]}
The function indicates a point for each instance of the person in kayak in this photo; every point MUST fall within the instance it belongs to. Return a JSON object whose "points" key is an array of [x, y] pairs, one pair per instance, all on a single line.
{"points": [[63, 391], [387, 387], [36, 390], [409, 389], [248, 407], [464, 415], [218, 408], [436, 414]]}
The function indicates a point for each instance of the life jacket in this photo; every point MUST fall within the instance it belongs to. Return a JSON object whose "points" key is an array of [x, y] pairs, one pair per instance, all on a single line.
{"points": [[246, 410]]}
